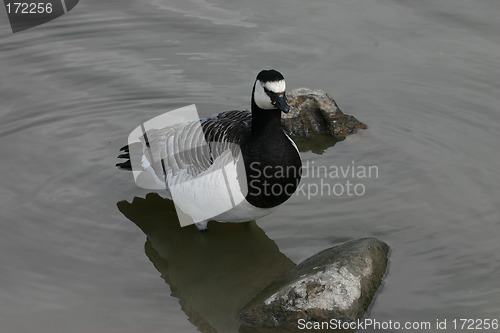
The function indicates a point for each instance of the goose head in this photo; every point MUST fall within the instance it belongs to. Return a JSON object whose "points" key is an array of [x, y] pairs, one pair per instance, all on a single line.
{"points": [[269, 91]]}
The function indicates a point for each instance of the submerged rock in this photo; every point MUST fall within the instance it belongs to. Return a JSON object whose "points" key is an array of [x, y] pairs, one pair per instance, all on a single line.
{"points": [[315, 112], [337, 283]]}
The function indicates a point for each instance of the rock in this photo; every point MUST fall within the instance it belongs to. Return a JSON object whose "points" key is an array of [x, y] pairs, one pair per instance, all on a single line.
{"points": [[337, 283], [315, 112]]}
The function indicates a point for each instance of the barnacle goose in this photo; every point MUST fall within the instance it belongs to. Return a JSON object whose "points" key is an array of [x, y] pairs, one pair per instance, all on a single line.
{"points": [[254, 140]]}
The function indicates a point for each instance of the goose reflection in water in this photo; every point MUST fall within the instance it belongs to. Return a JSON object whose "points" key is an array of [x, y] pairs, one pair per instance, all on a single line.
{"points": [[213, 274]]}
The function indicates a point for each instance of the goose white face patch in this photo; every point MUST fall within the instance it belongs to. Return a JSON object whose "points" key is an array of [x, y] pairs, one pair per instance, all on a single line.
{"points": [[262, 99]]}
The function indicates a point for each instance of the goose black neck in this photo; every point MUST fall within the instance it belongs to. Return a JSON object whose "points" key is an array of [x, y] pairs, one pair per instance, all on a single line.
{"points": [[268, 148], [265, 122]]}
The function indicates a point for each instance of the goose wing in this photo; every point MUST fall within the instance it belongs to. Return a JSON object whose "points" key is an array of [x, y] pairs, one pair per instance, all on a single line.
{"points": [[195, 147]]}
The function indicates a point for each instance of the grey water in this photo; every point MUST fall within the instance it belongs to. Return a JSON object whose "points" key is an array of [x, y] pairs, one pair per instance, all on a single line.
{"points": [[423, 75]]}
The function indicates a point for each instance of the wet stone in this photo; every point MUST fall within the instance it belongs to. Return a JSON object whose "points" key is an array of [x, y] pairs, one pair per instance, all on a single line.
{"points": [[314, 112], [337, 283]]}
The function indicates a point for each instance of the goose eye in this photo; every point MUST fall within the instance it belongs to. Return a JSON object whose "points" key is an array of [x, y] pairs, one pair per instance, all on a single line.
{"points": [[275, 96]]}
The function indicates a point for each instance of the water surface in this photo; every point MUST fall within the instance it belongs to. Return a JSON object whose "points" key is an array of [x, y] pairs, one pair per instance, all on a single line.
{"points": [[423, 75]]}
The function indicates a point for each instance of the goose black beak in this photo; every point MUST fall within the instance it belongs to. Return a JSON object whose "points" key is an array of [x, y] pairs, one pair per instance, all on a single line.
{"points": [[282, 104]]}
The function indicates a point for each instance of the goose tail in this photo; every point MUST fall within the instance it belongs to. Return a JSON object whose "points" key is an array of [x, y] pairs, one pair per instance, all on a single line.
{"points": [[125, 154]]}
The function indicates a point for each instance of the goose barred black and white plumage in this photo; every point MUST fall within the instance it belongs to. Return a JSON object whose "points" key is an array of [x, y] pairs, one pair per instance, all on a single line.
{"points": [[257, 135]]}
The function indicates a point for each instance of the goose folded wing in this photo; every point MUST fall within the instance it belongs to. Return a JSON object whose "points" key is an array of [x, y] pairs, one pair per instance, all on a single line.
{"points": [[194, 147]]}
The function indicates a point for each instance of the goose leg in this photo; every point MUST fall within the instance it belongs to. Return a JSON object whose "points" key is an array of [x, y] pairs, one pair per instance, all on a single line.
{"points": [[202, 226]]}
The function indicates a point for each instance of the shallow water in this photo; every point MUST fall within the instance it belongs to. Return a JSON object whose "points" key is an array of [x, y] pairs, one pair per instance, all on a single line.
{"points": [[423, 75]]}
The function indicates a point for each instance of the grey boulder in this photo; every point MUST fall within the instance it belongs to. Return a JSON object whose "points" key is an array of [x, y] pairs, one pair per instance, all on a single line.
{"points": [[337, 283], [314, 112]]}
